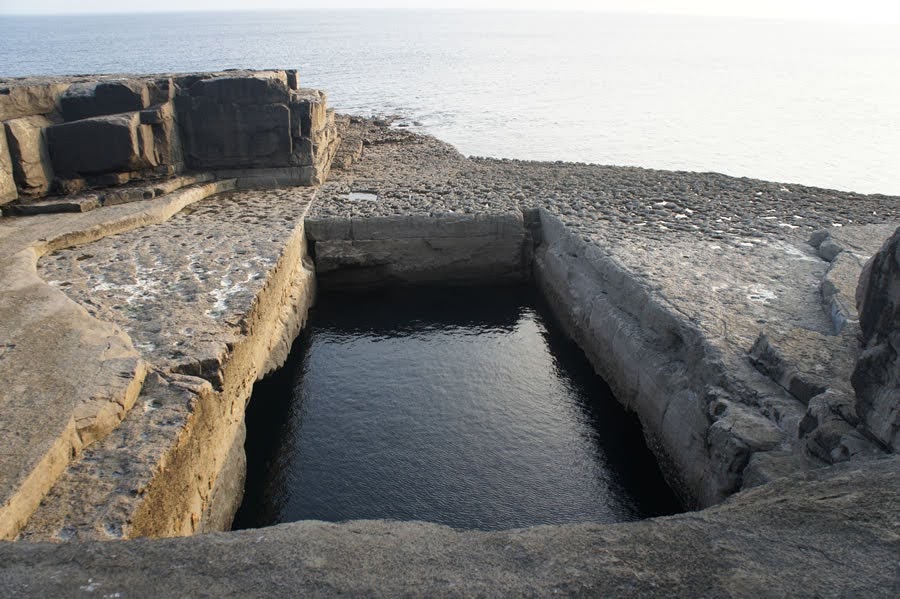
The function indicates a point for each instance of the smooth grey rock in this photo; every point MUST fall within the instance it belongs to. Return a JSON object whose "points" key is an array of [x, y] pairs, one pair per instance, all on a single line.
{"points": [[8, 191], [876, 377], [216, 135], [102, 144], [31, 158], [91, 99]]}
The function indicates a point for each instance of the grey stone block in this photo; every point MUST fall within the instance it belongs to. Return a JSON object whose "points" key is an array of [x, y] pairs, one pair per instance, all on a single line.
{"points": [[30, 157], [86, 100], [216, 135], [101, 145], [8, 190]]}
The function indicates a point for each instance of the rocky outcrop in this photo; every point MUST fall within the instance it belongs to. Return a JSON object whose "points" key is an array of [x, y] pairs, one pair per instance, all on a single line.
{"points": [[876, 377], [77, 134]]}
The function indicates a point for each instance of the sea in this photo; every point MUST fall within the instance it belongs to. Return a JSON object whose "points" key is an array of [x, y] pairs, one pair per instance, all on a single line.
{"points": [[816, 103]]}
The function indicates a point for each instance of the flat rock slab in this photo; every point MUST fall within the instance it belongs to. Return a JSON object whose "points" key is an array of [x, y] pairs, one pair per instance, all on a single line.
{"points": [[180, 289], [831, 533]]}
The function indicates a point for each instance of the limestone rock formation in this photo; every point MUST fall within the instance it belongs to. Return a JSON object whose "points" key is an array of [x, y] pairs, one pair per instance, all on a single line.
{"points": [[876, 378], [31, 158], [7, 183]]}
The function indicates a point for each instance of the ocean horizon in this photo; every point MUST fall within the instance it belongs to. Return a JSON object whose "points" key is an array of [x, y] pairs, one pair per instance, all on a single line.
{"points": [[812, 103]]}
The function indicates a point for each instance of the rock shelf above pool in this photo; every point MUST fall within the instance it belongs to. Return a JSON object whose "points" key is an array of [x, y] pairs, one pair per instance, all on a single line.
{"points": [[139, 305]]}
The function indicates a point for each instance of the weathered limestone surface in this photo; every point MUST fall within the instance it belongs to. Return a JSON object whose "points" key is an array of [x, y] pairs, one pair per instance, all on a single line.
{"points": [[90, 373], [877, 374], [31, 158], [213, 299], [829, 533]]}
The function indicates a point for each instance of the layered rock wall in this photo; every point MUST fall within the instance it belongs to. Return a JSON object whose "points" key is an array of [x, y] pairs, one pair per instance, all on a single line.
{"points": [[66, 136]]}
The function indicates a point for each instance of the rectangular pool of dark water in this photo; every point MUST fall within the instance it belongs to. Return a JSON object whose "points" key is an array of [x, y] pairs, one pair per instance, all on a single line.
{"points": [[461, 406]]}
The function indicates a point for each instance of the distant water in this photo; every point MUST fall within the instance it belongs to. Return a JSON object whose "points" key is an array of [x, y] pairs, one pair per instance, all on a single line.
{"points": [[810, 103], [457, 406]]}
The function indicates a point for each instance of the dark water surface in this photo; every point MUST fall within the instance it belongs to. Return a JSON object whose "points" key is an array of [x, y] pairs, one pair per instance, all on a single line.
{"points": [[462, 406]]}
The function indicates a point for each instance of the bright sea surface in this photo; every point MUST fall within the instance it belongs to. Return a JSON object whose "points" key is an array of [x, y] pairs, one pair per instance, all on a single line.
{"points": [[800, 102]]}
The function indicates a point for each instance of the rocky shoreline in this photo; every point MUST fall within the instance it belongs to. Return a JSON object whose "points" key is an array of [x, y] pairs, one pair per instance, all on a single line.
{"points": [[723, 311]]}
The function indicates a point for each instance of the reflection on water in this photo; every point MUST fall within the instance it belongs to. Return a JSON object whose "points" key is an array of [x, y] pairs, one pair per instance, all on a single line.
{"points": [[462, 406]]}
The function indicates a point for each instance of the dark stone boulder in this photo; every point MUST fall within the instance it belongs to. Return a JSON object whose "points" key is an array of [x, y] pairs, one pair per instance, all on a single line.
{"points": [[876, 378], [86, 100], [105, 144], [228, 135]]}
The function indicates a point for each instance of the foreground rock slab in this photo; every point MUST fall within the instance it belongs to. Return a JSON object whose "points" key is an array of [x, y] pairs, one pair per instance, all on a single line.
{"points": [[832, 533]]}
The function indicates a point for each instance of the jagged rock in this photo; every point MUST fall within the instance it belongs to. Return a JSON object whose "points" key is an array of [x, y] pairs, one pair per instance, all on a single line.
{"points": [[101, 145], [90, 99], [829, 428], [28, 99], [876, 378], [256, 88], [28, 150], [8, 190], [216, 135]]}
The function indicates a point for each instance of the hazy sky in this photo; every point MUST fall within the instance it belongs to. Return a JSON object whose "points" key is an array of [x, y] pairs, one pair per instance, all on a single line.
{"points": [[842, 10]]}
